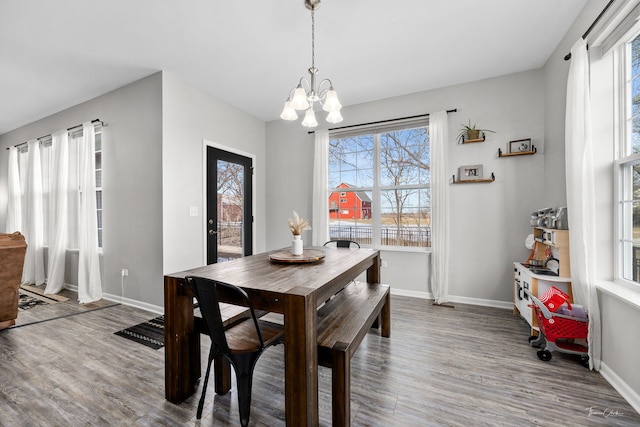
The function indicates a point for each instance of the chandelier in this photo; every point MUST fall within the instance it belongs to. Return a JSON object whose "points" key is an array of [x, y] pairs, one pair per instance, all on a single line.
{"points": [[306, 94]]}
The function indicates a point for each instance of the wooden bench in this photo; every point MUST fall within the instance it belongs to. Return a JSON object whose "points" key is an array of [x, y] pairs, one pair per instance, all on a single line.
{"points": [[343, 322]]}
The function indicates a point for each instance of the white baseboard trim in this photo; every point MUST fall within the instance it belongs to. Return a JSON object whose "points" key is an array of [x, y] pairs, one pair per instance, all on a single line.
{"points": [[461, 300], [125, 301], [621, 387]]}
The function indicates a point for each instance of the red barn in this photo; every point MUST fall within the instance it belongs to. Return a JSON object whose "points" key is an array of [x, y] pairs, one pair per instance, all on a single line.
{"points": [[349, 204]]}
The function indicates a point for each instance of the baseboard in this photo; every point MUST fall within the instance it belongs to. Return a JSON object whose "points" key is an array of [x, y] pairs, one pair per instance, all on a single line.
{"points": [[621, 387], [125, 301], [462, 300]]}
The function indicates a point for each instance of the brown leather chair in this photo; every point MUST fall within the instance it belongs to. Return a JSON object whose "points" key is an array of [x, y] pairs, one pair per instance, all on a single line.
{"points": [[12, 252]]}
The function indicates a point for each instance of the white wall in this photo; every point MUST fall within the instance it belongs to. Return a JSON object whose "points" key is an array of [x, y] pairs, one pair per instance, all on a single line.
{"points": [[132, 183], [489, 221], [191, 116]]}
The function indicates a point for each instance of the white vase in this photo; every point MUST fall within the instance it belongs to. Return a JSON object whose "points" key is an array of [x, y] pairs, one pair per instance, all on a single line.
{"points": [[296, 245]]}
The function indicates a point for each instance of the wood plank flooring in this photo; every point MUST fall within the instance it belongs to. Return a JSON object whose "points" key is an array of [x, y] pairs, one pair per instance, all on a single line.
{"points": [[468, 366]]}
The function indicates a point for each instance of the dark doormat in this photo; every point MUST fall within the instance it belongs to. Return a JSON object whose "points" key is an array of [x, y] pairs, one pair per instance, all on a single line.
{"points": [[149, 333], [26, 300]]}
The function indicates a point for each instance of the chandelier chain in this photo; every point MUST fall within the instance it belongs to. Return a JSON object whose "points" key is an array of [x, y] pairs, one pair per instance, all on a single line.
{"points": [[313, 38]]}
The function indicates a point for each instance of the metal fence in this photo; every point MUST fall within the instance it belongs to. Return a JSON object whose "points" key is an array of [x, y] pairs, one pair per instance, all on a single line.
{"points": [[390, 236], [230, 234]]}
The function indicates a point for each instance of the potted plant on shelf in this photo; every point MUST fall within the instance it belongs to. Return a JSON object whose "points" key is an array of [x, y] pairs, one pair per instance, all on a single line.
{"points": [[470, 132]]}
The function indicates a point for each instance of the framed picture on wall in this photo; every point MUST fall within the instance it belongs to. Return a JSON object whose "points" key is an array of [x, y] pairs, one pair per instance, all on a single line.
{"points": [[520, 146], [470, 173]]}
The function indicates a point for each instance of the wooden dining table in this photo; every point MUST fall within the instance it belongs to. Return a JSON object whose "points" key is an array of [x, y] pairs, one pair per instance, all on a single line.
{"points": [[290, 288]]}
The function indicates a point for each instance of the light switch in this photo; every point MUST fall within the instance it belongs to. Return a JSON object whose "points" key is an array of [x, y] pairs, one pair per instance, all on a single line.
{"points": [[193, 211]]}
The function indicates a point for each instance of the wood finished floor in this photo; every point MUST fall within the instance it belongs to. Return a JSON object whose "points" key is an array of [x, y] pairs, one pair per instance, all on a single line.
{"points": [[468, 366]]}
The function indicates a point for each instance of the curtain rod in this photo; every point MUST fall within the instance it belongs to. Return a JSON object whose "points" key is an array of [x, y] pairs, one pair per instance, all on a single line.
{"points": [[383, 121], [94, 121], [593, 24]]}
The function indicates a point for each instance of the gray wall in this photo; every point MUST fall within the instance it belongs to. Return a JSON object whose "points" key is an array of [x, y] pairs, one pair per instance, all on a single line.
{"points": [[620, 349], [489, 222], [191, 116], [153, 156], [132, 183]]}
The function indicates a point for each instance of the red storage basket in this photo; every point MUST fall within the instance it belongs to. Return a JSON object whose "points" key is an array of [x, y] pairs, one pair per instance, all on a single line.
{"points": [[561, 328]]}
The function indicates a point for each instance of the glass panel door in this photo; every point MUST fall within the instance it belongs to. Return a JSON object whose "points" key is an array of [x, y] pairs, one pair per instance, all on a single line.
{"points": [[229, 208]]}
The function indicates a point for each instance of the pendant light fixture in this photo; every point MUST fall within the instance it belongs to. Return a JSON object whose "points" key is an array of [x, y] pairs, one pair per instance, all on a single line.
{"points": [[306, 94]]}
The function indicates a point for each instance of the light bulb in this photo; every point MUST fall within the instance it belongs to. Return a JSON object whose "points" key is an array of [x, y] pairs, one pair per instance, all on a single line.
{"points": [[310, 119], [331, 102], [334, 117], [299, 101], [288, 112]]}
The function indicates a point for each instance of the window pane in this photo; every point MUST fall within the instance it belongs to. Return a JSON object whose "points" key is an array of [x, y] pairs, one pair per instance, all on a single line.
{"points": [[351, 161], [405, 218], [635, 96], [635, 135], [404, 157], [630, 218], [98, 160], [350, 216]]}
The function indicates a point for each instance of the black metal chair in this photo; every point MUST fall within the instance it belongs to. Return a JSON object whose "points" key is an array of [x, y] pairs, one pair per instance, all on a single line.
{"points": [[242, 344], [343, 243]]}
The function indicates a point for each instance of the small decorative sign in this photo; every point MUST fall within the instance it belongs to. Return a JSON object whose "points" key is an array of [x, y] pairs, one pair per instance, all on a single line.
{"points": [[470, 173], [520, 146]]}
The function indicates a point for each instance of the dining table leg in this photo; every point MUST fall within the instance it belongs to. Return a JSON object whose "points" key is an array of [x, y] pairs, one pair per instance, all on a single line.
{"points": [[373, 272], [301, 357], [182, 343]]}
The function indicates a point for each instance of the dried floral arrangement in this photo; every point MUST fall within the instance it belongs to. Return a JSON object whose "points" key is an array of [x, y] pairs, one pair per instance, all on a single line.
{"points": [[297, 225]]}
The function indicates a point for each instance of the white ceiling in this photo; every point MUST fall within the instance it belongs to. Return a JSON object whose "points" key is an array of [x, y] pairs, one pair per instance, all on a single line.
{"points": [[56, 54]]}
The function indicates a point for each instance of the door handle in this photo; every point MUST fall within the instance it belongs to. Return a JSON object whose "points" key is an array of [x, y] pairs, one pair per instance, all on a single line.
{"points": [[211, 232]]}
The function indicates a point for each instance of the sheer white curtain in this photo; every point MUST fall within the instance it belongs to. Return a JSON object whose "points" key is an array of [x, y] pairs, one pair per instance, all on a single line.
{"points": [[14, 205], [581, 194], [89, 281], [439, 138], [58, 211], [33, 221], [320, 213]]}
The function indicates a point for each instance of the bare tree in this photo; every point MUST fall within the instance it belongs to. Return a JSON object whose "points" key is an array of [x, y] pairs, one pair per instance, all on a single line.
{"points": [[230, 188], [404, 159]]}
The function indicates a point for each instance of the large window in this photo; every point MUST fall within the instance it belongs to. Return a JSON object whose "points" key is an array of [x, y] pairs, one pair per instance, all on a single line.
{"points": [[379, 191], [629, 165], [74, 191]]}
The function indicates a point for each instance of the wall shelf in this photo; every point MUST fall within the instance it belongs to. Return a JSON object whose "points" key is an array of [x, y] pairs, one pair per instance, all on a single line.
{"points": [[473, 181], [518, 153], [469, 141]]}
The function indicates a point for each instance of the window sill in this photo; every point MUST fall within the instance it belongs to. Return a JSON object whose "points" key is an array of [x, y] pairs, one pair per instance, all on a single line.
{"points": [[407, 249], [624, 293], [76, 251]]}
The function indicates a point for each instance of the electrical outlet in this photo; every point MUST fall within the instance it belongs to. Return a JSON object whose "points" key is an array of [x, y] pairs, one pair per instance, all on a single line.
{"points": [[124, 272]]}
